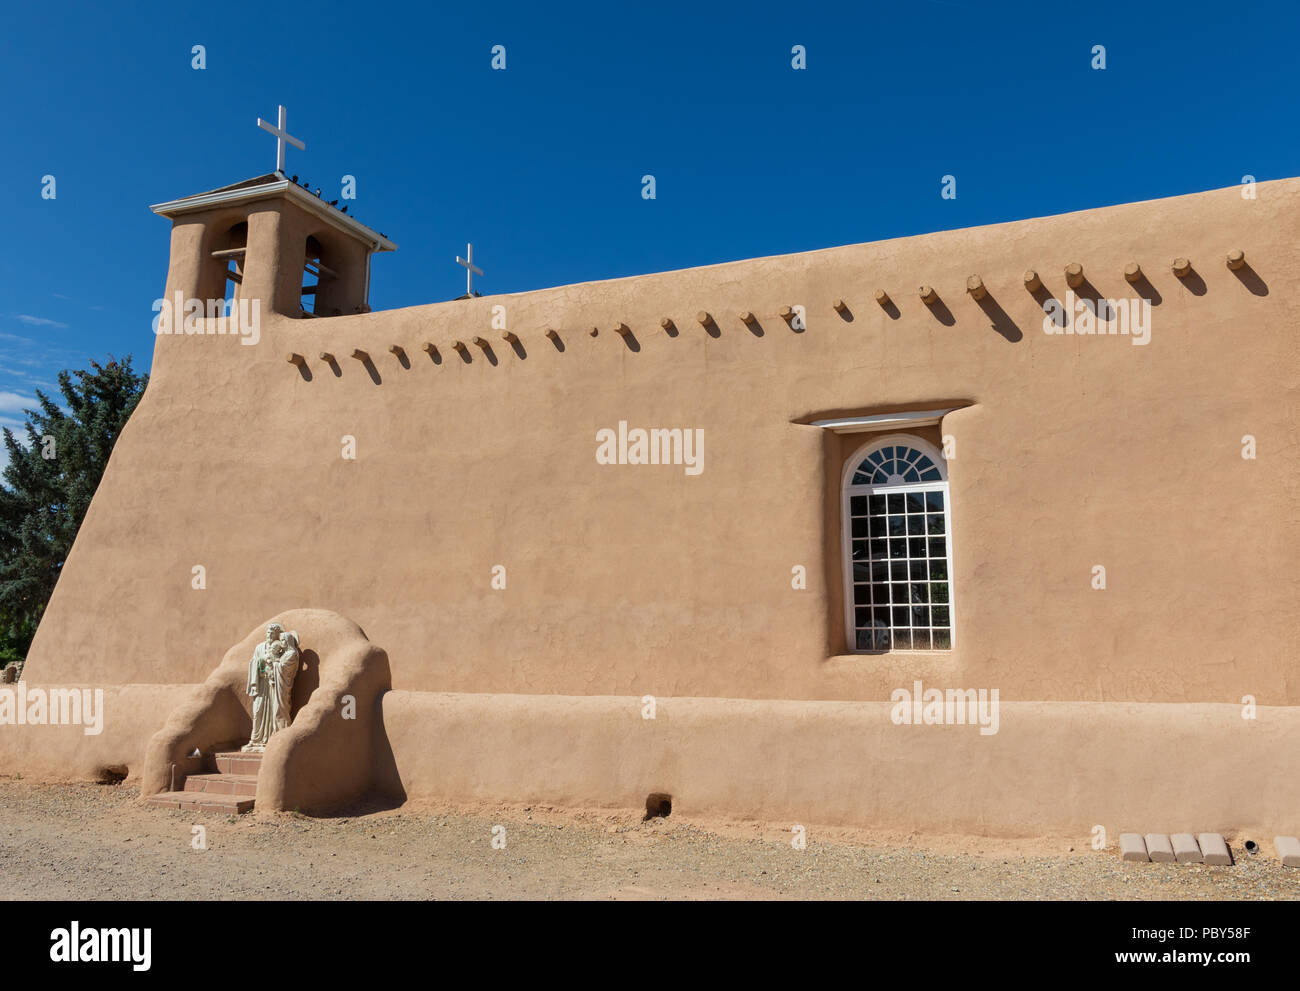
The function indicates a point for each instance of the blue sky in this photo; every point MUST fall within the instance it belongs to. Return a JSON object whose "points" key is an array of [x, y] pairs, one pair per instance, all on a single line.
{"points": [[541, 164]]}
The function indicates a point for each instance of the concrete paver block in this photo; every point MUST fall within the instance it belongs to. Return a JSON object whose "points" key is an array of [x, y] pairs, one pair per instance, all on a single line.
{"points": [[1215, 850], [1288, 850], [1186, 850], [1160, 850], [1133, 847]]}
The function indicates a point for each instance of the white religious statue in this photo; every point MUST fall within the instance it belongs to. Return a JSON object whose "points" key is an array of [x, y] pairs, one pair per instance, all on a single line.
{"points": [[270, 684]]}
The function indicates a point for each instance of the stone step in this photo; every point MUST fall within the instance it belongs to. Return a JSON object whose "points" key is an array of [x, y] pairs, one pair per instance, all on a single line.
{"points": [[243, 785], [234, 762], [202, 801]]}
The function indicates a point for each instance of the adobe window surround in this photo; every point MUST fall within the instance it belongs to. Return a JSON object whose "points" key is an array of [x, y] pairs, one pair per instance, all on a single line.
{"points": [[895, 532]]}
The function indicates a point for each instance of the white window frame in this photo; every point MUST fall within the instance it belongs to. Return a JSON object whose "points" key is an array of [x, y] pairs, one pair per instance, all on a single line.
{"points": [[846, 532]]}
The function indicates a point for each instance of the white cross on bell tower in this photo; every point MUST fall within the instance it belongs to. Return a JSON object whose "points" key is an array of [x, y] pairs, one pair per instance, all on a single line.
{"points": [[281, 136], [471, 269]]}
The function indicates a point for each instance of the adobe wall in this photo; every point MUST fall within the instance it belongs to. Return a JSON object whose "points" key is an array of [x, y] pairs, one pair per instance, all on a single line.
{"points": [[629, 580], [1052, 768], [129, 715]]}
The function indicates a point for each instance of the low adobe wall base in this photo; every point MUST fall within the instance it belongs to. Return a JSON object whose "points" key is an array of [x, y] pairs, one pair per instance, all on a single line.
{"points": [[1053, 768], [131, 715]]}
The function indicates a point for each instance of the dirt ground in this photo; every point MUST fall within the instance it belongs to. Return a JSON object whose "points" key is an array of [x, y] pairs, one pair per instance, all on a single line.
{"points": [[89, 842]]}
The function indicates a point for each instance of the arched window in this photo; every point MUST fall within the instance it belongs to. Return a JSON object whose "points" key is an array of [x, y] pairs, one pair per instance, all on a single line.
{"points": [[897, 547]]}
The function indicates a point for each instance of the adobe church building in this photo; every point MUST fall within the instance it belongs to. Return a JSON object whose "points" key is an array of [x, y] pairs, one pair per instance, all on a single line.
{"points": [[716, 534]]}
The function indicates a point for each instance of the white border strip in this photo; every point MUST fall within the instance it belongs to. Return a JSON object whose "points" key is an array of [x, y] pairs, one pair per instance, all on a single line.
{"points": [[884, 421], [232, 197]]}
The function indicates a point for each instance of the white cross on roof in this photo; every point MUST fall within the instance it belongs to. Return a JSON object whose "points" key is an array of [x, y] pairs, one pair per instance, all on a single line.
{"points": [[281, 136], [471, 269]]}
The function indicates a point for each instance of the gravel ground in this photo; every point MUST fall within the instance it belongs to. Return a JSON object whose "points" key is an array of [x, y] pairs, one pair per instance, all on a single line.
{"points": [[86, 842]]}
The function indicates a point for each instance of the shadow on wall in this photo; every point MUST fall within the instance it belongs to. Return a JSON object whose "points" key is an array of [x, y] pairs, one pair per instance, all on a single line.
{"points": [[939, 309], [306, 681], [999, 319], [1250, 279], [333, 754]]}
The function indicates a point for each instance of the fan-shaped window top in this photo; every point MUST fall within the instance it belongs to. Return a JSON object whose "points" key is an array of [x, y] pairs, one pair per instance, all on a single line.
{"points": [[897, 465]]}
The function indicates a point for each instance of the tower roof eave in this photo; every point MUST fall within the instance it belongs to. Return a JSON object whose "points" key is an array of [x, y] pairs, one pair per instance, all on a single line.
{"points": [[268, 187]]}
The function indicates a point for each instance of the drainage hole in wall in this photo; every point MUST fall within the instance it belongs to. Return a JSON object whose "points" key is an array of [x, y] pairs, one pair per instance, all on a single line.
{"points": [[658, 805]]}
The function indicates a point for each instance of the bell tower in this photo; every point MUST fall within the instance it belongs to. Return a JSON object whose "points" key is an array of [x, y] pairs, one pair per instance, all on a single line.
{"points": [[270, 238]]}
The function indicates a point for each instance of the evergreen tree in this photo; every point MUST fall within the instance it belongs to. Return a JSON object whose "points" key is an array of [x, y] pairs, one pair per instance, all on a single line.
{"points": [[47, 486]]}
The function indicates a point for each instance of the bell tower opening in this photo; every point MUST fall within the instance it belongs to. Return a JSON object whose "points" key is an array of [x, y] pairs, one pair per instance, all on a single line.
{"points": [[232, 247], [314, 269]]}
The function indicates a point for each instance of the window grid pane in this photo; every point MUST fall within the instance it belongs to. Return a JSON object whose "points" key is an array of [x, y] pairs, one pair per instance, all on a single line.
{"points": [[900, 561]]}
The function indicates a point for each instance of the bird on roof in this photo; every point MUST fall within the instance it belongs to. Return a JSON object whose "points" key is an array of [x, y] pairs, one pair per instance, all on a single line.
{"points": [[345, 209]]}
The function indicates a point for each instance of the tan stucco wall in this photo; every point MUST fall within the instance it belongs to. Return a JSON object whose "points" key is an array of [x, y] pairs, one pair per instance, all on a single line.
{"points": [[1052, 767], [131, 714], [627, 580]]}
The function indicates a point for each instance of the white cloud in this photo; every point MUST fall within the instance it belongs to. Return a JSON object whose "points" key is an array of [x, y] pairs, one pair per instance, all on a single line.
{"points": [[37, 381], [17, 428], [12, 402], [39, 321]]}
